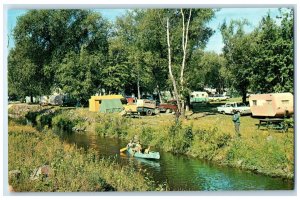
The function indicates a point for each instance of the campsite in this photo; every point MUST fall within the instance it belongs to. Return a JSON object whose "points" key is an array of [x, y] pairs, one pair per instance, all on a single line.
{"points": [[139, 104]]}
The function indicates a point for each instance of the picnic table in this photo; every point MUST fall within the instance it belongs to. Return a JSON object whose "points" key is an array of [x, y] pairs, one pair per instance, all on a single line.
{"points": [[273, 123]]}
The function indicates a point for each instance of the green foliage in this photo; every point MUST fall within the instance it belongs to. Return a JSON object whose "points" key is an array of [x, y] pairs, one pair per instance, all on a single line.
{"points": [[208, 143], [63, 122], [80, 74], [111, 125], [207, 69], [181, 138], [210, 138], [43, 39], [273, 66], [261, 61], [268, 156], [70, 169]]}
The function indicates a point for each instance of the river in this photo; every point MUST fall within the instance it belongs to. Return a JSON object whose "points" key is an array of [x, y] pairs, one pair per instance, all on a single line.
{"points": [[182, 173]]}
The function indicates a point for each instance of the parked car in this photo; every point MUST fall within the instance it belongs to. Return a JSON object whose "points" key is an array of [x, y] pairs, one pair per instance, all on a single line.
{"points": [[218, 97], [229, 107], [170, 106]]}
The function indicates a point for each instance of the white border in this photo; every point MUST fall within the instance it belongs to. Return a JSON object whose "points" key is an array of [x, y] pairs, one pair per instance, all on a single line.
{"points": [[134, 4]]}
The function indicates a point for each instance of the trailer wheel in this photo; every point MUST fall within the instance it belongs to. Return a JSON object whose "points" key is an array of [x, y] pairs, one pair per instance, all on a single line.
{"points": [[149, 112]]}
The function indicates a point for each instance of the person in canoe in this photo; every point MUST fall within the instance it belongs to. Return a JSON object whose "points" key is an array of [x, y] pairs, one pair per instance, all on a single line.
{"points": [[138, 147], [147, 150], [130, 144]]}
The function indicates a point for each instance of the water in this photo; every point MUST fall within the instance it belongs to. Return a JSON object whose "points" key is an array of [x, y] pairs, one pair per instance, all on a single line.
{"points": [[182, 172]]}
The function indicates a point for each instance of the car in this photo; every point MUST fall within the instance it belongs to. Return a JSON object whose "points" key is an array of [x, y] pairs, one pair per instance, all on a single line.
{"points": [[218, 97], [228, 108], [170, 106]]}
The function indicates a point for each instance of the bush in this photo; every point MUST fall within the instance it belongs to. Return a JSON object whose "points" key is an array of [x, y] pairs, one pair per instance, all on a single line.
{"points": [[111, 125], [180, 138], [63, 122]]}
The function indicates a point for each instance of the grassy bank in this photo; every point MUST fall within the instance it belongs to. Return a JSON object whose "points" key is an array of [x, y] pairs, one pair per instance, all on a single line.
{"points": [[209, 137], [39, 161]]}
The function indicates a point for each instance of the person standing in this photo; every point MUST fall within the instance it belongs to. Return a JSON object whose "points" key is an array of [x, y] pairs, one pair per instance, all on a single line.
{"points": [[236, 121]]}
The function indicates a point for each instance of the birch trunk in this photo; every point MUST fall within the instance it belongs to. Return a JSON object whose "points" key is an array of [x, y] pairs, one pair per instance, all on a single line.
{"points": [[185, 31], [138, 86], [170, 68]]}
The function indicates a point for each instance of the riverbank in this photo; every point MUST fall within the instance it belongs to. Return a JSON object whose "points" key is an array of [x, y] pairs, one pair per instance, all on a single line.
{"points": [[40, 162], [209, 137]]}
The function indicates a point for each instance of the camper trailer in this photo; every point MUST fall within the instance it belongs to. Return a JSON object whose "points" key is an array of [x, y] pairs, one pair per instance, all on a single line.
{"points": [[272, 105], [199, 97]]}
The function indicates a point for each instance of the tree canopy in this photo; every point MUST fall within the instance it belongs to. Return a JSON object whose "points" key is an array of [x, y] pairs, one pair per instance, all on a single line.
{"points": [[83, 54], [261, 61]]}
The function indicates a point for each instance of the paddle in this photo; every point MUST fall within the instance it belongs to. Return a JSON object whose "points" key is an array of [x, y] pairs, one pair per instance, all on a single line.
{"points": [[123, 149]]}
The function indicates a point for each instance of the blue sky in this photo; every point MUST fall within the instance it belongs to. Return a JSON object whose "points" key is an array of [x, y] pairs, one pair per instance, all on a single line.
{"points": [[253, 15]]}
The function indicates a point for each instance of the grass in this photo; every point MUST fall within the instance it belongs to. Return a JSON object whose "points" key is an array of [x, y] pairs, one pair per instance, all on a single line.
{"points": [[209, 137], [71, 169], [264, 151]]}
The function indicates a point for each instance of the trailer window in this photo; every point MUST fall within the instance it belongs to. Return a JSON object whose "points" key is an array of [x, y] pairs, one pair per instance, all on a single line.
{"points": [[269, 102], [285, 102], [254, 102]]}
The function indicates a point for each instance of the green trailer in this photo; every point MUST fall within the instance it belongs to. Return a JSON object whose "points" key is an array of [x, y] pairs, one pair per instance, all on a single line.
{"points": [[199, 97]]}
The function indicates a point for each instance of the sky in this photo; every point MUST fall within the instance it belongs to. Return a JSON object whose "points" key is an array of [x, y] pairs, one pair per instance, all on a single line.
{"points": [[253, 15]]}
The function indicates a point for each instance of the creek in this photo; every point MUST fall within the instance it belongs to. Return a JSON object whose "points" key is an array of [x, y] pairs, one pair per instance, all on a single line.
{"points": [[181, 172]]}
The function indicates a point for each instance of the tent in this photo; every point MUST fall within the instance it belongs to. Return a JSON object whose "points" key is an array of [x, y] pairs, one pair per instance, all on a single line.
{"points": [[110, 106], [95, 101]]}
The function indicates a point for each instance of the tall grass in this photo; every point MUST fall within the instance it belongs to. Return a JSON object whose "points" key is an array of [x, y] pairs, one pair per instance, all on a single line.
{"points": [[71, 169]]}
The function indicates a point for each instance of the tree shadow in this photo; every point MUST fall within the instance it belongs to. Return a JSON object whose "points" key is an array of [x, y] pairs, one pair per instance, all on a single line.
{"points": [[208, 108]]}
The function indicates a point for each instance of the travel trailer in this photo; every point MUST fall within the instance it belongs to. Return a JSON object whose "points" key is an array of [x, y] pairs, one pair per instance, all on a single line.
{"points": [[272, 105], [199, 97]]}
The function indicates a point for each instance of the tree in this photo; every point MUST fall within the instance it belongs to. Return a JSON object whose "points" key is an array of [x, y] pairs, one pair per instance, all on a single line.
{"points": [[127, 33], [43, 38], [207, 69], [263, 59], [239, 51], [195, 29], [22, 81], [273, 67]]}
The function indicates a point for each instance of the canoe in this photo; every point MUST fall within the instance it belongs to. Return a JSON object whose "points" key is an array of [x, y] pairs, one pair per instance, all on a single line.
{"points": [[150, 155]]}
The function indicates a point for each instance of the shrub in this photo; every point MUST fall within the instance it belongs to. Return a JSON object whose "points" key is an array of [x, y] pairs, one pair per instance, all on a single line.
{"points": [[63, 122], [111, 125]]}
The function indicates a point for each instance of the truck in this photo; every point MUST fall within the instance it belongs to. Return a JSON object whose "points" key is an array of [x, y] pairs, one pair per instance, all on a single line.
{"points": [[228, 108], [131, 106], [170, 106], [145, 106]]}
